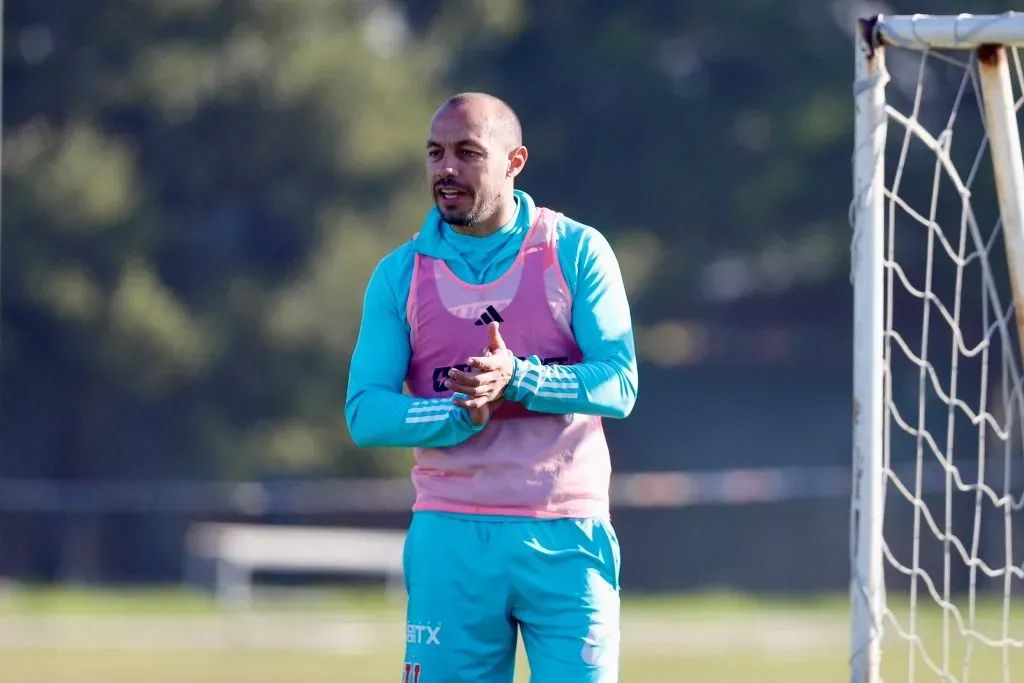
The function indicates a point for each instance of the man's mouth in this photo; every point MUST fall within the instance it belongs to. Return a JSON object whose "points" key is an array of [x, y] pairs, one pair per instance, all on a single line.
{"points": [[450, 193]]}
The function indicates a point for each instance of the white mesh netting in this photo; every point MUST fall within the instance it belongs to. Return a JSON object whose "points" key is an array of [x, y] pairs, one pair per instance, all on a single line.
{"points": [[954, 461]]}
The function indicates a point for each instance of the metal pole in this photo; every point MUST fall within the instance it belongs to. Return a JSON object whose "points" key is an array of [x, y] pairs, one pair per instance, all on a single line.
{"points": [[866, 585]]}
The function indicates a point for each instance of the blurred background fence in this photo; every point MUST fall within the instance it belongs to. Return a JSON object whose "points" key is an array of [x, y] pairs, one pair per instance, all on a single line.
{"points": [[196, 191]]}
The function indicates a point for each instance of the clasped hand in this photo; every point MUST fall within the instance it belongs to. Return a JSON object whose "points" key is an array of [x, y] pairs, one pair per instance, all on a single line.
{"points": [[484, 385]]}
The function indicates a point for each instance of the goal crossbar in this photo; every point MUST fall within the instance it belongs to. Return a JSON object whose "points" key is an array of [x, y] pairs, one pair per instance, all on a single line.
{"points": [[989, 37], [961, 31]]}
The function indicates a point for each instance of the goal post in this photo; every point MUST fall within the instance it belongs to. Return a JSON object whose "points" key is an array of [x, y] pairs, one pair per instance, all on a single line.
{"points": [[937, 265]]}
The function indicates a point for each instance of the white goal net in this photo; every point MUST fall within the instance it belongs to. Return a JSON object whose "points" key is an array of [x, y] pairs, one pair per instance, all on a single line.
{"points": [[937, 537]]}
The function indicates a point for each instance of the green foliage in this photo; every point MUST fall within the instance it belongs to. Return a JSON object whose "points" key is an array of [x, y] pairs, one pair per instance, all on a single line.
{"points": [[197, 190], [196, 193]]}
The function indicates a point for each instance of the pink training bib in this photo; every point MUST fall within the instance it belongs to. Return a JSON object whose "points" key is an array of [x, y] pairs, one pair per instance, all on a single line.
{"points": [[522, 463]]}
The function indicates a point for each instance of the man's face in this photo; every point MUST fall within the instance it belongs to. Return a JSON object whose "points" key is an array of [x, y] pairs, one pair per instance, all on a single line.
{"points": [[467, 165]]}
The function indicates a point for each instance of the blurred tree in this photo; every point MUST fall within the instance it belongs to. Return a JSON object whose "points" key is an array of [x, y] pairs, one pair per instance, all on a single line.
{"points": [[705, 139], [196, 192]]}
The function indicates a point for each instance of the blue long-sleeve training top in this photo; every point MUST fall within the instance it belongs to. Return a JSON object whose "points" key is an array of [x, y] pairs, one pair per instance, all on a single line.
{"points": [[380, 414]]}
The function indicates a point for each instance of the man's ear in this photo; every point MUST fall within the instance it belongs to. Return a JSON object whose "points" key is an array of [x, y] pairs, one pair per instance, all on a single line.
{"points": [[516, 161]]}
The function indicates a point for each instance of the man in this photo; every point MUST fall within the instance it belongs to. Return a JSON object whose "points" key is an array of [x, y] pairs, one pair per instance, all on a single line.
{"points": [[509, 325]]}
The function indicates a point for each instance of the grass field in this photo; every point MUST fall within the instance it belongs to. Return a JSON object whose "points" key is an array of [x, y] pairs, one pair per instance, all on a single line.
{"points": [[171, 637]]}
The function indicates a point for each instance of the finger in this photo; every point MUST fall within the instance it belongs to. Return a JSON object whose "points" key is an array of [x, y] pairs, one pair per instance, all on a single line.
{"points": [[465, 378], [484, 363], [472, 392], [473, 379], [495, 336], [489, 389], [473, 403], [460, 398]]}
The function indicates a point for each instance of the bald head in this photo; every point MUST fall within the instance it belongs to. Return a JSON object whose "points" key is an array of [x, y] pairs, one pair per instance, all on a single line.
{"points": [[474, 153], [502, 122]]}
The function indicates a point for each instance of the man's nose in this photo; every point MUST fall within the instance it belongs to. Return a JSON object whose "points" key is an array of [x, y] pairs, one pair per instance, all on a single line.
{"points": [[446, 173]]}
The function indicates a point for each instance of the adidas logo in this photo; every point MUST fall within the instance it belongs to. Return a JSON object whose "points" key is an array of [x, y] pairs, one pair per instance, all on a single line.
{"points": [[489, 316]]}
